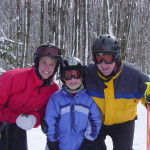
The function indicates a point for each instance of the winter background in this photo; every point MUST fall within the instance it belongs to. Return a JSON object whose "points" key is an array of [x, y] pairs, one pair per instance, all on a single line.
{"points": [[37, 140], [26, 24]]}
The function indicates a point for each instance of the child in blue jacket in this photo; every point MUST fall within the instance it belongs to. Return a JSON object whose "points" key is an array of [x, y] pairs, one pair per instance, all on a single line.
{"points": [[73, 118]]}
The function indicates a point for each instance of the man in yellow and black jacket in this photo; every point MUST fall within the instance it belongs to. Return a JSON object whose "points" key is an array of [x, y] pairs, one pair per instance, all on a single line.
{"points": [[116, 87]]}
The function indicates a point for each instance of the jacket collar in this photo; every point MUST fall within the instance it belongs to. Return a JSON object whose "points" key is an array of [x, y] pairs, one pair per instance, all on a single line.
{"points": [[66, 92], [35, 77]]}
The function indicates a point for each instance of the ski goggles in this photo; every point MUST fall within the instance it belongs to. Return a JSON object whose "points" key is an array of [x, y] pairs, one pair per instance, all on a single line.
{"points": [[69, 74], [108, 58], [48, 51]]}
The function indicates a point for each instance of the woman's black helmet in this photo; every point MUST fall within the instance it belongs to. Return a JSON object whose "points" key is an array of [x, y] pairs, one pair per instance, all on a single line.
{"points": [[47, 50]]}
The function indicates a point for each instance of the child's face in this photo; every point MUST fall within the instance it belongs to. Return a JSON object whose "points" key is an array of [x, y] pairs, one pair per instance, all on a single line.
{"points": [[73, 83]]}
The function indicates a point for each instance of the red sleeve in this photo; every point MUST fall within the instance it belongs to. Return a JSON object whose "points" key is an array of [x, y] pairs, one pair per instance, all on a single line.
{"points": [[6, 84]]}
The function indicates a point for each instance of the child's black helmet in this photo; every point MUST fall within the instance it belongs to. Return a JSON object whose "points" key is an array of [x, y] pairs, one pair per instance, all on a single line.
{"points": [[72, 63]]}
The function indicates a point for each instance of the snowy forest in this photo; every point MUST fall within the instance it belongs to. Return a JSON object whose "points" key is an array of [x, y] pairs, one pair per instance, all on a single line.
{"points": [[73, 25]]}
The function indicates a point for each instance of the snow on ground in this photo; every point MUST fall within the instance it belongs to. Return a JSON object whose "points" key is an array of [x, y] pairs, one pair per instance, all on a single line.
{"points": [[37, 140], [1, 70]]}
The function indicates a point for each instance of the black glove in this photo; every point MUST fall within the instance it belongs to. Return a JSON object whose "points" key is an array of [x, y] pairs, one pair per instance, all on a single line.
{"points": [[53, 145], [87, 145], [44, 126]]}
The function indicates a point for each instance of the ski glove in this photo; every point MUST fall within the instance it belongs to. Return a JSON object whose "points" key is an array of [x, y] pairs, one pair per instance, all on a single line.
{"points": [[53, 145], [147, 92], [44, 126], [87, 145], [26, 122]]}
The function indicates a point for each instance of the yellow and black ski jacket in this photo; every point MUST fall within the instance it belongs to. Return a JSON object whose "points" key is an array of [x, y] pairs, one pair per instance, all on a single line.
{"points": [[118, 96]]}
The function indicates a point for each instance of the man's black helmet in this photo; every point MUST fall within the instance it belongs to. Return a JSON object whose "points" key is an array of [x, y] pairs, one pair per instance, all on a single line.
{"points": [[106, 44]]}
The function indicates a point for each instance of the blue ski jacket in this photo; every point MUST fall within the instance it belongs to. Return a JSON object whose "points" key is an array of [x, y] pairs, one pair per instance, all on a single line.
{"points": [[70, 119], [118, 96]]}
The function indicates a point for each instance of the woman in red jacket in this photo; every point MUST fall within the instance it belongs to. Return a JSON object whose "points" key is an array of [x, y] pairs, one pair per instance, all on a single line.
{"points": [[23, 97]]}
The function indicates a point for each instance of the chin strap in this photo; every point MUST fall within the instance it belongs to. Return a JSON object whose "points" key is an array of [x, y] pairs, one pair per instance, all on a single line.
{"points": [[79, 88], [46, 82]]}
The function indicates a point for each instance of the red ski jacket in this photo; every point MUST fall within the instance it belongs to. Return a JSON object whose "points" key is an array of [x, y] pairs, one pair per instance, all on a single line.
{"points": [[20, 93]]}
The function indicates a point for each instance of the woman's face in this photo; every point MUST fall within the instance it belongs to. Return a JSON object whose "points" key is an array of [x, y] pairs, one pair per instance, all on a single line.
{"points": [[46, 66]]}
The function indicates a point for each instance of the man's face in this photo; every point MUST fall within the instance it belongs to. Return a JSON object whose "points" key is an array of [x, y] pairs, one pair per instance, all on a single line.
{"points": [[46, 66], [106, 69], [105, 62]]}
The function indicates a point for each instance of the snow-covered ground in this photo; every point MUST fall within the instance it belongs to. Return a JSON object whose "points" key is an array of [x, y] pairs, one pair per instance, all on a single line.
{"points": [[37, 140], [1, 70]]}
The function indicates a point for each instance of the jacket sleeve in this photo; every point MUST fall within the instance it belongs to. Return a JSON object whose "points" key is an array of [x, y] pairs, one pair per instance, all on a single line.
{"points": [[147, 93], [52, 117], [94, 123], [6, 84], [144, 79]]}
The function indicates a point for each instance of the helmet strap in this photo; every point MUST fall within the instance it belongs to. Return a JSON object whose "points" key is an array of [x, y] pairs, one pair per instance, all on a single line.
{"points": [[79, 88], [46, 82]]}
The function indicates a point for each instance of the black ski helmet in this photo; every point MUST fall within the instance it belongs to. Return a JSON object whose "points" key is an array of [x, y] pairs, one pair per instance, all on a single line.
{"points": [[106, 43], [47, 50], [72, 63]]}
